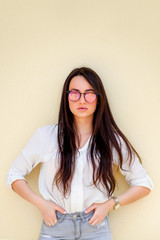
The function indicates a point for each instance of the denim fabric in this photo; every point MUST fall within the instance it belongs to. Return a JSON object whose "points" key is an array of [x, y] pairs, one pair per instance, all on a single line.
{"points": [[76, 226]]}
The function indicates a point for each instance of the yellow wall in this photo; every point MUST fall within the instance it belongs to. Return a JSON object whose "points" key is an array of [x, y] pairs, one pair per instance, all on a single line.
{"points": [[41, 41]]}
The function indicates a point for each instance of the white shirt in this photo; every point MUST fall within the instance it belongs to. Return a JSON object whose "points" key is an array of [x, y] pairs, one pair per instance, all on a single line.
{"points": [[43, 147]]}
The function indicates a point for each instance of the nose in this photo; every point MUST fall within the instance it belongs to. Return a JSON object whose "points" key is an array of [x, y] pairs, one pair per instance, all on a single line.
{"points": [[82, 99]]}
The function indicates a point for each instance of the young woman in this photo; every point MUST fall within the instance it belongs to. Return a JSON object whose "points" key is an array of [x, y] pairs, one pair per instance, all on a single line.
{"points": [[77, 155]]}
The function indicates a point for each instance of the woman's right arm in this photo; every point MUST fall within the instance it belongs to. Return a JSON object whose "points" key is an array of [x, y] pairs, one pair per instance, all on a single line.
{"points": [[47, 208], [30, 156]]}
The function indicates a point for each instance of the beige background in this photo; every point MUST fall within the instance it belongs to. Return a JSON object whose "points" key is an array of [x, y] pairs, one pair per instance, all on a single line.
{"points": [[41, 41]]}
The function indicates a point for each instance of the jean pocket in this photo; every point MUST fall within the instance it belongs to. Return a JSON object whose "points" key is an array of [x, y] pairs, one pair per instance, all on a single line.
{"points": [[48, 230], [100, 225], [52, 226]]}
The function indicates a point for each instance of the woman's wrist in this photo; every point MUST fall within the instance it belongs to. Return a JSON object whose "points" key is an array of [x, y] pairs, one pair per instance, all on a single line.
{"points": [[111, 203]]}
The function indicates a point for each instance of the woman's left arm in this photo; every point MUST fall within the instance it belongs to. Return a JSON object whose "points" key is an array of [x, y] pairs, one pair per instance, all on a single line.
{"points": [[101, 209], [135, 175], [133, 194]]}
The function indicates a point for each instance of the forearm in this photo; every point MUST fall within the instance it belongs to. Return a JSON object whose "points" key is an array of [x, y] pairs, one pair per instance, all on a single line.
{"points": [[131, 195], [47, 208], [22, 188], [102, 209]]}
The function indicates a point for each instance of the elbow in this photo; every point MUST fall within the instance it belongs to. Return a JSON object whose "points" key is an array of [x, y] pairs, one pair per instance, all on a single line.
{"points": [[16, 184], [146, 191]]}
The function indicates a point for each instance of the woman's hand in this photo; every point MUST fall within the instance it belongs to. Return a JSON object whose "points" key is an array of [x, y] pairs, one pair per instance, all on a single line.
{"points": [[48, 210], [101, 211]]}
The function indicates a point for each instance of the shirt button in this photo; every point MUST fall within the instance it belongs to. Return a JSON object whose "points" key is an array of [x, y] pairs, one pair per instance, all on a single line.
{"points": [[75, 216]]}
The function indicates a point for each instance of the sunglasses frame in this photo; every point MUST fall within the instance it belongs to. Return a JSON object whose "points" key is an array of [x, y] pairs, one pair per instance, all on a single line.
{"points": [[68, 92]]}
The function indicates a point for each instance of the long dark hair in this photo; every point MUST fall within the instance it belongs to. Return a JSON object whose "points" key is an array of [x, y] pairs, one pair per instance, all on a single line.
{"points": [[105, 136]]}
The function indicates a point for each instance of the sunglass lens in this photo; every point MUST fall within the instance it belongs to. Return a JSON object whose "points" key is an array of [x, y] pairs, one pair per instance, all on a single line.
{"points": [[90, 97], [74, 96]]}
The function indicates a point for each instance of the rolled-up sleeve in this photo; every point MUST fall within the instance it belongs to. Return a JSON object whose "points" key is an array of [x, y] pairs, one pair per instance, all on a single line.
{"points": [[28, 158], [134, 173]]}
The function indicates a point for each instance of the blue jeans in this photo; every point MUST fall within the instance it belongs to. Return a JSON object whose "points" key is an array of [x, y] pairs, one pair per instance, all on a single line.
{"points": [[76, 226]]}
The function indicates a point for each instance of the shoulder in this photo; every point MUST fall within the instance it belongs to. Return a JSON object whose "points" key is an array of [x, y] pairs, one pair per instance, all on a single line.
{"points": [[121, 142], [48, 130], [121, 146], [48, 134]]}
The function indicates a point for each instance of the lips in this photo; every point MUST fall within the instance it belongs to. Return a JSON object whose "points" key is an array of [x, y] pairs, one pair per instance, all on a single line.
{"points": [[82, 108]]}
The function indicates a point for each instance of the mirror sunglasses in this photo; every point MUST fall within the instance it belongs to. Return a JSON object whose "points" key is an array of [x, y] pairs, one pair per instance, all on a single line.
{"points": [[89, 97]]}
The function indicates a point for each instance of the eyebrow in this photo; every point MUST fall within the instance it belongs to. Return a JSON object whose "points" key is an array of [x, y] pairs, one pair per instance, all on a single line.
{"points": [[87, 90]]}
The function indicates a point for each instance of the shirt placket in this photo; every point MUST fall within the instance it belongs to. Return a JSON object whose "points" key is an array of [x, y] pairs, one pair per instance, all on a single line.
{"points": [[77, 186]]}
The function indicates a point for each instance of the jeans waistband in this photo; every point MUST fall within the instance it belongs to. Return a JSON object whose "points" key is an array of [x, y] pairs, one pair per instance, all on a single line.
{"points": [[74, 216]]}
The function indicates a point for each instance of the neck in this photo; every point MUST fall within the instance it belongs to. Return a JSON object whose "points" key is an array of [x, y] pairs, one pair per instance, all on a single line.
{"points": [[83, 126]]}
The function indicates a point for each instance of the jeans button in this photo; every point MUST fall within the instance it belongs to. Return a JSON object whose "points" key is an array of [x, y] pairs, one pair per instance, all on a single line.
{"points": [[75, 216]]}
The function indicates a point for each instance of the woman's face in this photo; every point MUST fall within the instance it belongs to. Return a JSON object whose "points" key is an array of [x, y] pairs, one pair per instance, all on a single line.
{"points": [[81, 108]]}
